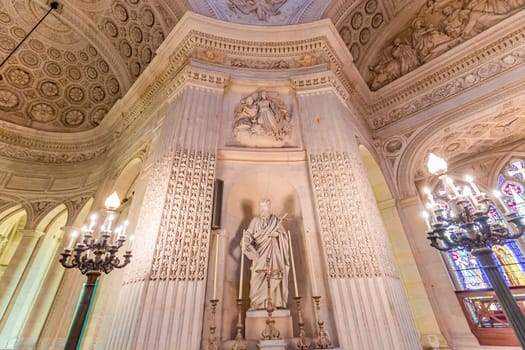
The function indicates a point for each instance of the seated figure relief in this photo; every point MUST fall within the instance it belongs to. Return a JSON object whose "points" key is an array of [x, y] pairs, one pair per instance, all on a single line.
{"points": [[438, 26], [261, 8], [262, 120]]}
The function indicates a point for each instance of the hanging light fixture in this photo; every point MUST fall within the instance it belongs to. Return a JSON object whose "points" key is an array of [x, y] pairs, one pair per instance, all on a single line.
{"points": [[53, 5], [462, 221]]}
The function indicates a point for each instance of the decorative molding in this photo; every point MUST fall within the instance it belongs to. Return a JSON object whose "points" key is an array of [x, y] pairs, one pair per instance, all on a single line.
{"points": [[14, 145], [75, 205], [435, 29], [468, 72], [37, 209]]}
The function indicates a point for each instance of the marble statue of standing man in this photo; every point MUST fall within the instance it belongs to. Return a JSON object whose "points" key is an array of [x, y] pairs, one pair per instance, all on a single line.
{"points": [[267, 238]]}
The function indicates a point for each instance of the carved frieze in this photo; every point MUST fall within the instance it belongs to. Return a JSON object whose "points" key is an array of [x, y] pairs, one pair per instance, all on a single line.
{"points": [[437, 27], [262, 120], [455, 86]]}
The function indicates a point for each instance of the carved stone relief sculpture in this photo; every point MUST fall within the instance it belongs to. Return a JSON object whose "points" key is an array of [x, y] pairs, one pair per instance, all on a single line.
{"points": [[438, 26], [262, 120], [261, 8]]}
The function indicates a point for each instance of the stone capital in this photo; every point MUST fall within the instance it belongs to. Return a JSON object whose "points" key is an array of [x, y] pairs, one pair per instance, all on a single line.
{"points": [[31, 233], [409, 202]]}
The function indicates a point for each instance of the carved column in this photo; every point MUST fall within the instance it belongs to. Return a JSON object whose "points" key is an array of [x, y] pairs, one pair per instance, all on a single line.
{"points": [[162, 301], [13, 274], [47, 293], [439, 288], [370, 307]]}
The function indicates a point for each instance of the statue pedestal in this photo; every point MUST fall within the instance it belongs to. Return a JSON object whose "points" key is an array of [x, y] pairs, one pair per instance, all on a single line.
{"points": [[277, 344], [256, 322]]}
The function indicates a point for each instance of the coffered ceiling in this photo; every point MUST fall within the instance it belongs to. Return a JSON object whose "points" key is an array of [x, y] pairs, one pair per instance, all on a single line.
{"points": [[79, 61], [86, 55]]}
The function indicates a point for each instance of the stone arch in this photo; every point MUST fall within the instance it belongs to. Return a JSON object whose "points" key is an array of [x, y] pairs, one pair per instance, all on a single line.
{"points": [[27, 275], [501, 163], [37, 210], [12, 220], [126, 178], [381, 181]]}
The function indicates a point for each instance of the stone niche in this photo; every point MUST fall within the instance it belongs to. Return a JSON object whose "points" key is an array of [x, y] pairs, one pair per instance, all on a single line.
{"points": [[286, 185]]}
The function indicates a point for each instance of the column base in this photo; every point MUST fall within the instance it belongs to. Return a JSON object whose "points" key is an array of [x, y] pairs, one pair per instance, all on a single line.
{"points": [[256, 322], [277, 344]]}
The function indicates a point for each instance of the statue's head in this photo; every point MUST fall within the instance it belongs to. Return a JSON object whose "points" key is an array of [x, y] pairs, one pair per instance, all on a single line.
{"points": [[265, 206]]}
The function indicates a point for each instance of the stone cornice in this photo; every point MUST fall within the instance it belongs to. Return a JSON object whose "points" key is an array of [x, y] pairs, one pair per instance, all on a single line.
{"points": [[232, 48], [495, 51], [36, 146], [271, 49]]}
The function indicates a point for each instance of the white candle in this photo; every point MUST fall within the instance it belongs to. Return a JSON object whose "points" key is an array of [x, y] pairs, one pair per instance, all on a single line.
{"points": [[450, 182], [124, 226], [109, 222], [311, 260], [470, 196], [131, 239], [72, 239], [470, 180], [432, 214], [242, 265], [293, 266], [501, 201], [427, 218], [429, 195], [92, 222], [216, 267]]}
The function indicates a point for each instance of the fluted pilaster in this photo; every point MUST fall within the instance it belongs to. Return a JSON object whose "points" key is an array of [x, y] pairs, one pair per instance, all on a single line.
{"points": [[371, 310], [162, 301]]}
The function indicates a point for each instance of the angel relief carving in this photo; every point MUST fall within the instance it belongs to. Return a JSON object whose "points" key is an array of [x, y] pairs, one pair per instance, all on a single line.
{"points": [[261, 8], [262, 120], [438, 26]]}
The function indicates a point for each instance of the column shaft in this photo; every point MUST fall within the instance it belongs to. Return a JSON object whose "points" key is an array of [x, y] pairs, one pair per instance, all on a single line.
{"points": [[370, 304], [162, 301], [12, 276]]}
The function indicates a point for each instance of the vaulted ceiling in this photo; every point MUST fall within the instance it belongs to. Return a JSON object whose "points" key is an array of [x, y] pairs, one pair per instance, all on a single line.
{"points": [[86, 55]]}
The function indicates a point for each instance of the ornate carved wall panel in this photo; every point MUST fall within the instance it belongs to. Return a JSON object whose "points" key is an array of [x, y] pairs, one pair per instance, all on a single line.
{"points": [[182, 245]]}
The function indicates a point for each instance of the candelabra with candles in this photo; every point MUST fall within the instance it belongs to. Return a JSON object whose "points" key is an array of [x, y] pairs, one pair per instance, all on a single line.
{"points": [[94, 253], [463, 222]]}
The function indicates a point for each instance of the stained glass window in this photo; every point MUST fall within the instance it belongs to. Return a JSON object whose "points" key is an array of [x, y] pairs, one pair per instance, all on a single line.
{"points": [[511, 182], [464, 267]]}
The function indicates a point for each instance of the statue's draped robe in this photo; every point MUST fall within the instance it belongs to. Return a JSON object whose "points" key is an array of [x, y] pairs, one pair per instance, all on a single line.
{"points": [[267, 238]]}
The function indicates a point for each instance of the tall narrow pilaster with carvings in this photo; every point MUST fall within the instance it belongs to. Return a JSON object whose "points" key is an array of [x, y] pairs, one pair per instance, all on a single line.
{"points": [[162, 300], [371, 310]]}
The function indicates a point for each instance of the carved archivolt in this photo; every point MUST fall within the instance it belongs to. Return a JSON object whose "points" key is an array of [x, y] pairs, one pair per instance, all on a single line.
{"points": [[438, 26], [262, 120]]}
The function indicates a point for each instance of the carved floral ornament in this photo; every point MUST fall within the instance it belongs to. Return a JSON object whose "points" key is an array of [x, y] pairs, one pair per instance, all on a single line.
{"points": [[262, 120], [438, 26]]}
